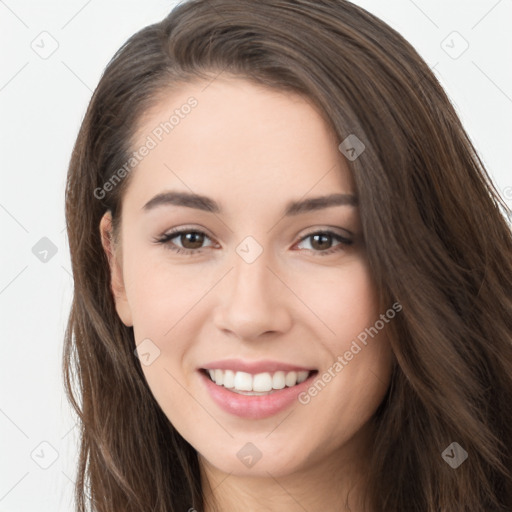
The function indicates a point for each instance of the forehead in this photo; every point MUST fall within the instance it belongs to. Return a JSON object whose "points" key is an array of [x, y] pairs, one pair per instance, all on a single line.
{"points": [[231, 137]]}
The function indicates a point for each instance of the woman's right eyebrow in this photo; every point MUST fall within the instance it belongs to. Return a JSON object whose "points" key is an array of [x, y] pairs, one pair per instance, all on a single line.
{"points": [[200, 202], [187, 199]]}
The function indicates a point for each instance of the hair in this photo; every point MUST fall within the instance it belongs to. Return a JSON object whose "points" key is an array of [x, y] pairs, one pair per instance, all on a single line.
{"points": [[436, 234]]}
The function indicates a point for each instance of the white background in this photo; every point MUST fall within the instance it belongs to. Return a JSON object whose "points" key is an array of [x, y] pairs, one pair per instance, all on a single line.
{"points": [[42, 103]]}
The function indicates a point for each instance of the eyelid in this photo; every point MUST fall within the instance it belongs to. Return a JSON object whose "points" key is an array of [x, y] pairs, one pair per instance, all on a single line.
{"points": [[323, 229], [187, 229]]}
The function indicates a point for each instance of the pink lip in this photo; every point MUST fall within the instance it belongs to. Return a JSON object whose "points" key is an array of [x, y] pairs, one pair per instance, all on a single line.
{"points": [[253, 367], [251, 406]]}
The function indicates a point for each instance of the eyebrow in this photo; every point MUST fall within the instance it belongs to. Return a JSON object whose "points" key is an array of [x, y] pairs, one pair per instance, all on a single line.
{"points": [[199, 202]]}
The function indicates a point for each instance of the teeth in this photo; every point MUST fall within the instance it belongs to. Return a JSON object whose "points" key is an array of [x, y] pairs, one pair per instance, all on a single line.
{"points": [[302, 376], [259, 383], [229, 379], [219, 376], [243, 381], [290, 379], [262, 382], [278, 380]]}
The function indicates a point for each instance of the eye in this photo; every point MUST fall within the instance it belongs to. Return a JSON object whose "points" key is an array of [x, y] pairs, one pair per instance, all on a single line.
{"points": [[189, 241], [321, 242]]}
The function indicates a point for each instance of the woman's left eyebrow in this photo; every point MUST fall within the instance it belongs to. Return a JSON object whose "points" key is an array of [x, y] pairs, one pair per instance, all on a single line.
{"points": [[320, 202], [200, 202]]}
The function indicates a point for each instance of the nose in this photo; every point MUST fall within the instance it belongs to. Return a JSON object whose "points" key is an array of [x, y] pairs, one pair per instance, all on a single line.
{"points": [[253, 301]]}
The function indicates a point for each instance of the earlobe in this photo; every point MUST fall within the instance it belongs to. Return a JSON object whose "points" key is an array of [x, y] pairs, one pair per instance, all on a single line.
{"points": [[116, 273]]}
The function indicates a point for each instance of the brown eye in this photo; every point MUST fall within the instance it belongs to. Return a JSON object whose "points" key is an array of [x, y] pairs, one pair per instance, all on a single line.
{"points": [[186, 241], [191, 240], [323, 242]]}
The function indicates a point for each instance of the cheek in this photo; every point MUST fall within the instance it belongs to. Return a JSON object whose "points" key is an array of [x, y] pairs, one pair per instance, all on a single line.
{"points": [[160, 293], [166, 304], [345, 301], [356, 373], [360, 337]]}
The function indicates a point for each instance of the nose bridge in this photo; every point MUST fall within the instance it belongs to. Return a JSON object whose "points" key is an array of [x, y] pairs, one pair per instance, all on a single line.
{"points": [[252, 301], [251, 275]]}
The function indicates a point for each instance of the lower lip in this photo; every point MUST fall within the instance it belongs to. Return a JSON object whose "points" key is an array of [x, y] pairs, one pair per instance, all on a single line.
{"points": [[252, 406]]}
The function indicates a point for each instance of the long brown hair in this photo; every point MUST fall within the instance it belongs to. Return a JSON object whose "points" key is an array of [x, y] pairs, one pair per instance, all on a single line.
{"points": [[436, 235]]}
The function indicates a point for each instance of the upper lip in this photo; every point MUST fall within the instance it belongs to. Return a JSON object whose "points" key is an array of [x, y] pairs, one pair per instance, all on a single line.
{"points": [[254, 367]]}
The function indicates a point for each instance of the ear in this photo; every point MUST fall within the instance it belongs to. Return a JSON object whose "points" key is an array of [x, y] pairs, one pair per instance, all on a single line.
{"points": [[116, 270]]}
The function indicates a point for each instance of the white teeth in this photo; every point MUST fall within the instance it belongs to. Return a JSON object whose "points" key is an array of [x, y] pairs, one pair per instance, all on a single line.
{"points": [[302, 376], [243, 381], [278, 380], [219, 376], [260, 383], [291, 379], [229, 379]]}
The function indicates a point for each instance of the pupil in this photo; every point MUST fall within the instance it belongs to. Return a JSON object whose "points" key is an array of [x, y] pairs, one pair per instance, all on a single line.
{"points": [[195, 240], [320, 245]]}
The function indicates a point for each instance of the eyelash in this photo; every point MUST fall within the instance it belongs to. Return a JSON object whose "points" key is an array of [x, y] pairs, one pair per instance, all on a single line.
{"points": [[166, 240]]}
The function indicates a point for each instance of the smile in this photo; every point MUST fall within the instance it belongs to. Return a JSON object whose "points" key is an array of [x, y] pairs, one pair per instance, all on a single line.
{"points": [[255, 395], [259, 384]]}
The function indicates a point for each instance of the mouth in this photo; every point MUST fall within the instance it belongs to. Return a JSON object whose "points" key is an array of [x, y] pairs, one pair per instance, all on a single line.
{"points": [[255, 395], [259, 384]]}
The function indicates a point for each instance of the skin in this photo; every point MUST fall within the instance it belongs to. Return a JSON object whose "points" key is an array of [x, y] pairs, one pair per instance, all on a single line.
{"points": [[253, 150]]}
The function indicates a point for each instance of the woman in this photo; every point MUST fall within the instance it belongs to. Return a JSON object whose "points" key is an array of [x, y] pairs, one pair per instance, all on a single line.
{"points": [[292, 274]]}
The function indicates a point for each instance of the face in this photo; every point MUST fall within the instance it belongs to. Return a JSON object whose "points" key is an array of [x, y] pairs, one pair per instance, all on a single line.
{"points": [[256, 284]]}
